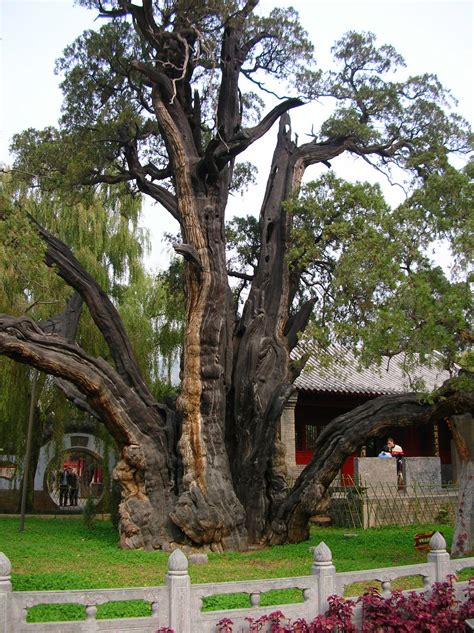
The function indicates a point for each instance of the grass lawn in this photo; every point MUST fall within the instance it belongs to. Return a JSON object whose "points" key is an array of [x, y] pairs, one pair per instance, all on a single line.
{"points": [[59, 553]]}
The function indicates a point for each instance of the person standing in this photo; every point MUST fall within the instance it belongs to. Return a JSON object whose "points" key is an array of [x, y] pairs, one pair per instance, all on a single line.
{"points": [[63, 486], [397, 452], [73, 481], [394, 449]]}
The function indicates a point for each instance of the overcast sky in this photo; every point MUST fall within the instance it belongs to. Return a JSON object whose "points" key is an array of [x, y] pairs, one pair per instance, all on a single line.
{"points": [[432, 36]]}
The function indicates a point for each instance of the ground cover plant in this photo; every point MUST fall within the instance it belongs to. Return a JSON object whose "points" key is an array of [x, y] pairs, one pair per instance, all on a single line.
{"points": [[435, 612], [58, 553]]}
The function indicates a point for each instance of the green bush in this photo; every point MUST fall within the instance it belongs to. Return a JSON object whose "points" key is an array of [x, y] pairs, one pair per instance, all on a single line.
{"points": [[89, 513]]}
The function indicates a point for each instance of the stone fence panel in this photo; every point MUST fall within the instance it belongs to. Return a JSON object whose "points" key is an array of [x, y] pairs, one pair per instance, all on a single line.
{"points": [[178, 604]]}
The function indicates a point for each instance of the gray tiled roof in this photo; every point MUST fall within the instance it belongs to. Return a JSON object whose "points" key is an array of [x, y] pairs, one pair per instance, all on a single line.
{"points": [[345, 376]]}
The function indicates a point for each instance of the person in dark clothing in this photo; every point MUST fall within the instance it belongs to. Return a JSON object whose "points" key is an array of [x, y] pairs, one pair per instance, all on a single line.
{"points": [[397, 452], [64, 486], [385, 452], [73, 481]]}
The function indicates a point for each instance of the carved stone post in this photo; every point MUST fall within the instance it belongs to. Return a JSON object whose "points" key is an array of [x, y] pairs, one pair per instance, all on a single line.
{"points": [[323, 568], [5, 593], [439, 558], [179, 587]]}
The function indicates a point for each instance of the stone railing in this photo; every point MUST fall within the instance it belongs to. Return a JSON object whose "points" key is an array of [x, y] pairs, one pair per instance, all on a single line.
{"points": [[178, 604]]}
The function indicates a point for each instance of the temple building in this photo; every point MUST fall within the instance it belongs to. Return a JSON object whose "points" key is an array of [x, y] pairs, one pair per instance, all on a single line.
{"points": [[336, 384]]}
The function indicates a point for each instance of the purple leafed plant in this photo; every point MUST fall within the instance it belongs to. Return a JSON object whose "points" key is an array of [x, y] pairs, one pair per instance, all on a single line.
{"points": [[433, 611]]}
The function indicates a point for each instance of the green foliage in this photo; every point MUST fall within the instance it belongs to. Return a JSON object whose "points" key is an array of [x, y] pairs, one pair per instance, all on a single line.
{"points": [[243, 242], [367, 266], [285, 53], [56, 612], [101, 228], [466, 360], [14, 406], [442, 209], [20, 252], [392, 123], [243, 176], [89, 513]]}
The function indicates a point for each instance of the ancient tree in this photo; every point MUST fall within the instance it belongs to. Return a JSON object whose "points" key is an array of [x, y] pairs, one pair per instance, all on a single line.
{"points": [[158, 101]]}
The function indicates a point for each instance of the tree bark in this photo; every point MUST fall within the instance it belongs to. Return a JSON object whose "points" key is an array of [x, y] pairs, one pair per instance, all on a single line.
{"points": [[261, 382], [463, 433], [262, 372]]}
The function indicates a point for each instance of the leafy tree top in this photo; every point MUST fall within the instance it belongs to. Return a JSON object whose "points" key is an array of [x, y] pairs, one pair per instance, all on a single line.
{"points": [[207, 62]]}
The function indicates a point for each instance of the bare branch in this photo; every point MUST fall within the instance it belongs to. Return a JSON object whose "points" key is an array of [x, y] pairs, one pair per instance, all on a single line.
{"points": [[298, 322], [36, 303], [221, 153], [22, 340], [237, 275]]}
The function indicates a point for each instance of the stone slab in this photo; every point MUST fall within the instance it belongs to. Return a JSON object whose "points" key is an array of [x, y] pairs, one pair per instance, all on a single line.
{"points": [[375, 472], [422, 471]]}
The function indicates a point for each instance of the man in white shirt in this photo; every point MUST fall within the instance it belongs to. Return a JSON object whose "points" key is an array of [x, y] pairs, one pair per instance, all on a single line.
{"points": [[397, 452], [395, 449]]}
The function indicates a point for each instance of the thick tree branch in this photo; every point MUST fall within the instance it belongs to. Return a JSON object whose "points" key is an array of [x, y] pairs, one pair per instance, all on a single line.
{"points": [[246, 137], [228, 115], [157, 174], [298, 322], [238, 275], [346, 434], [155, 77], [101, 308], [164, 90], [139, 173], [65, 325], [108, 179], [313, 152], [22, 340], [160, 195], [72, 393]]}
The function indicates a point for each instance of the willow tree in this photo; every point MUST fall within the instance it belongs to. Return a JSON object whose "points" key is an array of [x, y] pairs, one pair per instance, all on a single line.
{"points": [[159, 99], [103, 230]]}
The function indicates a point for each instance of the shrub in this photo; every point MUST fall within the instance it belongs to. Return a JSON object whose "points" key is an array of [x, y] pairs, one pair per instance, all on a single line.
{"points": [[434, 611], [445, 514], [89, 513]]}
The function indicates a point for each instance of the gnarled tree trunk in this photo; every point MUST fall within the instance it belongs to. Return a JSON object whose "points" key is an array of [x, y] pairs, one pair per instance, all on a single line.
{"points": [[263, 374]]}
